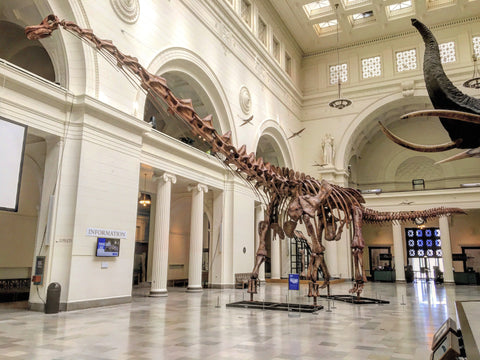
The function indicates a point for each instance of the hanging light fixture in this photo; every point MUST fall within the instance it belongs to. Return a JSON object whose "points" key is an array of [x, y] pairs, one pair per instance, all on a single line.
{"points": [[339, 103], [145, 199], [474, 82]]}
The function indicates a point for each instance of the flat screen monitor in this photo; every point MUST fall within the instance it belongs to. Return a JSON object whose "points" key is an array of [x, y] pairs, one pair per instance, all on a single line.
{"points": [[12, 148], [108, 247]]}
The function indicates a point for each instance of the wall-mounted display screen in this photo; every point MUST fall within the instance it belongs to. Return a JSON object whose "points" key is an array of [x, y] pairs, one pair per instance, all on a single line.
{"points": [[423, 243], [12, 148], [108, 247]]}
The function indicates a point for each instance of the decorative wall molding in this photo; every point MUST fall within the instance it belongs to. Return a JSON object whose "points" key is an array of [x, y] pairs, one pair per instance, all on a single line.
{"points": [[408, 88], [226, 37], [245, 100], [127, 10]]}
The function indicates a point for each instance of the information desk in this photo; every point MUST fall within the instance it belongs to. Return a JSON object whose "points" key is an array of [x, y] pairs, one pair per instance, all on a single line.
{"points": [[384, 275], [466, 278]]}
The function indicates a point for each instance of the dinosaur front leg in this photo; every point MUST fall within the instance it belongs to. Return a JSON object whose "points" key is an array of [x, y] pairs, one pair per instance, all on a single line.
{"points": [[357, 245]]}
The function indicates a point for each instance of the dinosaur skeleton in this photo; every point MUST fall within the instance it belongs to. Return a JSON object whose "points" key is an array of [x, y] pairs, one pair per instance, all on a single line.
{"points": [[290, 196], [458, 112]]}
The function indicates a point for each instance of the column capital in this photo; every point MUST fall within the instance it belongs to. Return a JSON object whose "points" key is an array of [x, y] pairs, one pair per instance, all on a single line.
{"points": [[165, 177], [198, 187]]}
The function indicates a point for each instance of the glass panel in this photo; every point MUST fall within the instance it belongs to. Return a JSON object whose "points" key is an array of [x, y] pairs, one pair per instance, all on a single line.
{"points": [[288, 64], [246, 12], [318, 7], [371, 67], [276, 49], [325, 27], [337, 71], [406, 60], [447, 52], [476, 45], [262, 31], [400, 6]]}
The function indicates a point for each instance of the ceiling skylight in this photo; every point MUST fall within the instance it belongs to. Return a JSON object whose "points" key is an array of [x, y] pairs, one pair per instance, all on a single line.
{"points": [[316, 8], [351, 3], [400, 6], [325, 27], [400, 9], [361, 18], [434, 4]]}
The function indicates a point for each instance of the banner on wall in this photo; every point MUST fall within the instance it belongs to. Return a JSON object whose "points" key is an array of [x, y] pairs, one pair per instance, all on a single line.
{"points": [[12, 148]]}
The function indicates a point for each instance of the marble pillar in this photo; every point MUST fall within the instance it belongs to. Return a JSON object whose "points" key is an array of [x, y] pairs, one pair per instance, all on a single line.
{"points": [[446, 249], [275, 252], [399, 260], [196, 238], [161, 235]]}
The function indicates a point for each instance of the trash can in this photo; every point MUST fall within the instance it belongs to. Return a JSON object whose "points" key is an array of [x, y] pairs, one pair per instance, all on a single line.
{"points": [[52, 306]]}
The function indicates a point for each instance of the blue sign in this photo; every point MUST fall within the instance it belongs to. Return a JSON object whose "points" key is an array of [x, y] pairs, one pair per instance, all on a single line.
{"points": [[293, 282]]}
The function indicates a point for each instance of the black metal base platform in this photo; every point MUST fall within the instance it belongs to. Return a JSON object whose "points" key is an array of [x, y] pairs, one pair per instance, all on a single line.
{"points": [[353, 299], [260, 305]]}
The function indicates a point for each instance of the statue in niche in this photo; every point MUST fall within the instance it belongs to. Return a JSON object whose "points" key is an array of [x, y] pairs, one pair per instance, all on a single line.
{"points": [[328, 151]]}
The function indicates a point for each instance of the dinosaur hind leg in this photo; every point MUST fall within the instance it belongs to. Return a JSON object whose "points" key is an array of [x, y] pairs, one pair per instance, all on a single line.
{"points": [[260, 259]]}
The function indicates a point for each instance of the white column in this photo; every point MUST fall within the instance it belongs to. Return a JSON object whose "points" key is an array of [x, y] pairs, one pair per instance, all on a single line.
{"points": [[275, 260], [331, 256], [344, 255], [196, 238], [259, 215], [399, 261], [446, 249], [161, 235]]}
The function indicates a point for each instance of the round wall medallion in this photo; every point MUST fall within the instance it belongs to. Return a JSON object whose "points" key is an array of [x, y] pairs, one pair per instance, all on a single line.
{"points": [[245, 100], [127, 10]]}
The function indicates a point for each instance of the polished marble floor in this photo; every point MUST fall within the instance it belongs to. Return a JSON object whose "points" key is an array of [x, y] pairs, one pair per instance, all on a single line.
{"points": [[185, 326]]}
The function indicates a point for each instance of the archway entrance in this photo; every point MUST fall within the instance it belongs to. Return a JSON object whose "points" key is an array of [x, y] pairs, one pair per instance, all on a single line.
{"points": [[277, 263], [184, 87]]}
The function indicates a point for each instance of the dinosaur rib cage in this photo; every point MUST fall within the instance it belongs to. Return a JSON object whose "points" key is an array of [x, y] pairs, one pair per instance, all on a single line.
{"points": [[373, 216], [279, 185]]}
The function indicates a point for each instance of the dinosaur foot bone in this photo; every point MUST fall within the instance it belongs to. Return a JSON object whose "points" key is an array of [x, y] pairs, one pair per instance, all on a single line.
{"points": [[357, 287]]}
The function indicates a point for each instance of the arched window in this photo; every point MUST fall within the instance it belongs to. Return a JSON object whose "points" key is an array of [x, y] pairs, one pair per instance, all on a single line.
{"points": [[27, 54]]}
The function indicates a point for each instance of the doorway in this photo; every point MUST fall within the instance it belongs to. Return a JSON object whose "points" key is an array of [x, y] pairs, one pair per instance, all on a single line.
{"points": [[142, 236], [380, 258], [424, 253]]}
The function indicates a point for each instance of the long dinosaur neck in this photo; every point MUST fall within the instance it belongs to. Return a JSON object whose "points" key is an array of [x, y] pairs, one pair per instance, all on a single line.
{"points": [[276, 181], [157, 87]]}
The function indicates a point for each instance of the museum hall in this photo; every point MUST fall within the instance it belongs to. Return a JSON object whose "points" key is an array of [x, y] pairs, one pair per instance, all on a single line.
{"points": [[239, 179]]}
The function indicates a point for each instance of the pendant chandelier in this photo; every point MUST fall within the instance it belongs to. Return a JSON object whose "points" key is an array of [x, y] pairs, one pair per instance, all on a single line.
{"points": [[340, 102], [474, 82], [145, 199]]}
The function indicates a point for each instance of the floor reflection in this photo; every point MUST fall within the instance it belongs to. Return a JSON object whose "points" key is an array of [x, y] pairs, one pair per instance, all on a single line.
{"points": [[199, 326]]}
